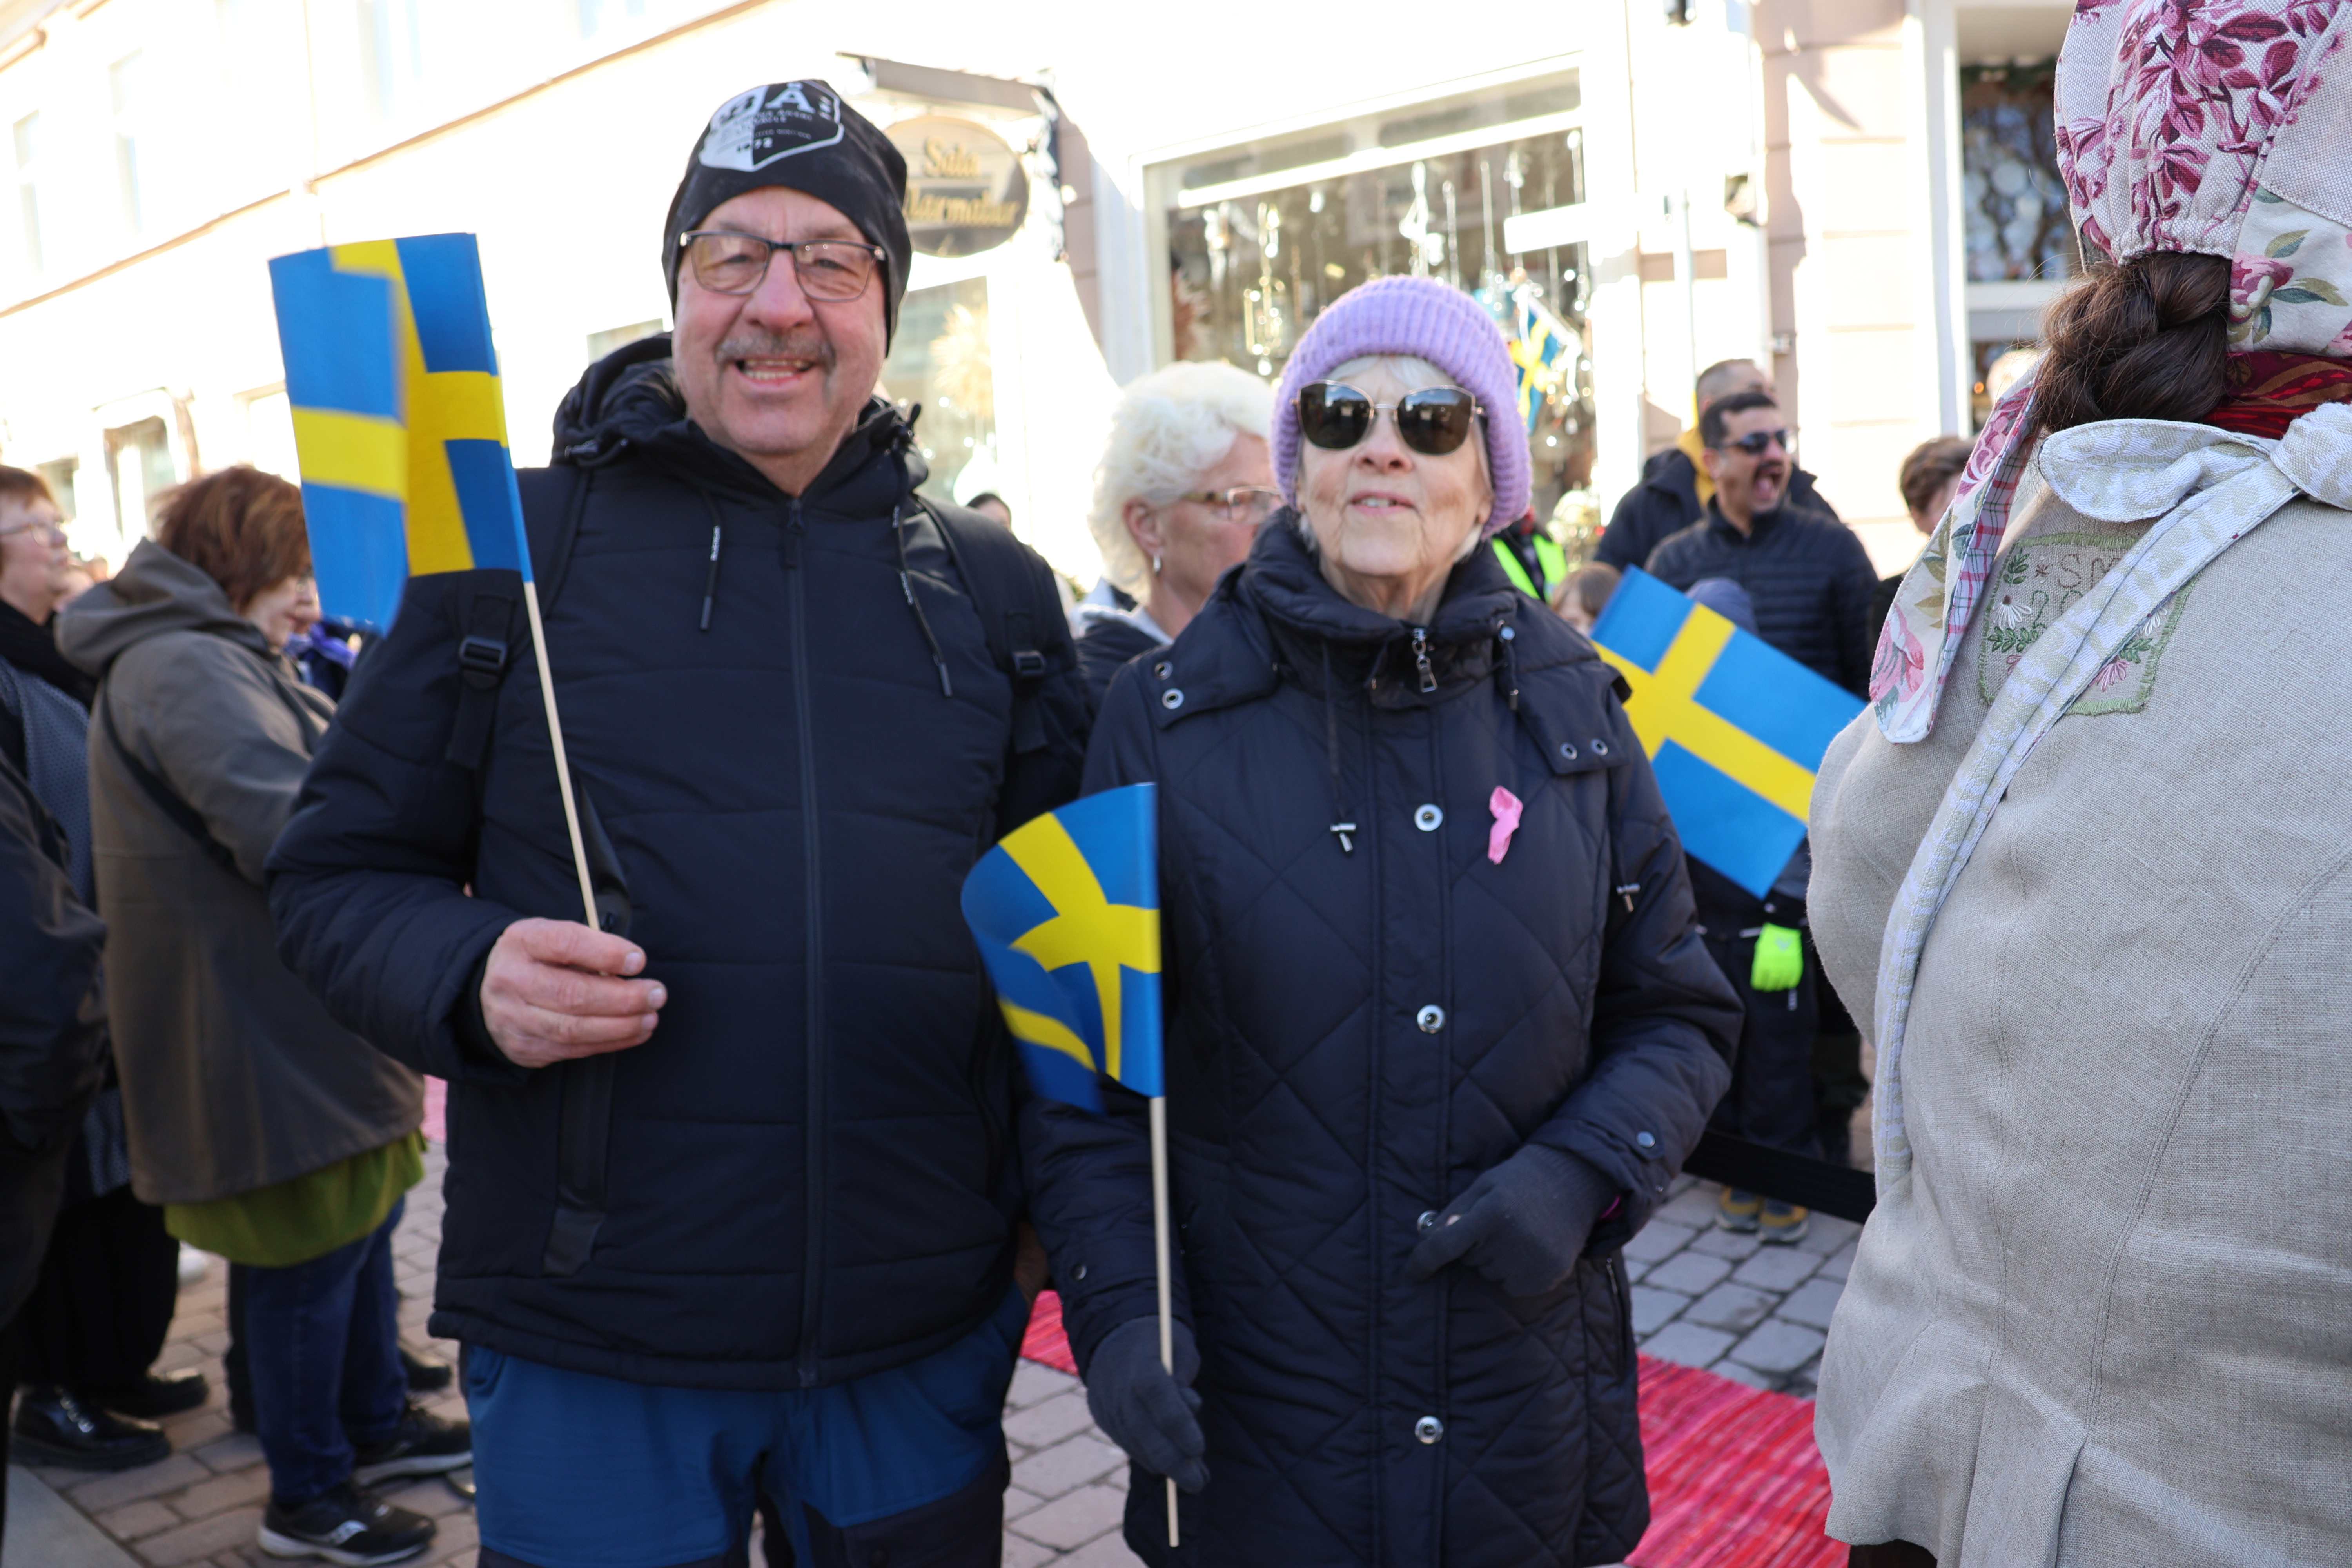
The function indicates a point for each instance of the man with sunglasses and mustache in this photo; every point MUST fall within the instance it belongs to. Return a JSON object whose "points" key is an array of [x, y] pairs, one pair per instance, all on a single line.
{"points": [[732, 1199], [1808, 577], [1675, 489]]}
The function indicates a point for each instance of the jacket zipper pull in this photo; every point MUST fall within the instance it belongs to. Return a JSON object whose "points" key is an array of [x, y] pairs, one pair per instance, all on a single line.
{"points": [[793, 529], [1420, 659], [1347, 844], [1626, 890]]}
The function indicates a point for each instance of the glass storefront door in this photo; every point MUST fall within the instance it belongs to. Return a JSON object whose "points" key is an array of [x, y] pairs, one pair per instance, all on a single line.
{"points": [[1262, 237]]}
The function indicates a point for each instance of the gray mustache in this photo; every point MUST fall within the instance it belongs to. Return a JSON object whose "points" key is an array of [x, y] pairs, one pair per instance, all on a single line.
{"points": [[765, 345]]}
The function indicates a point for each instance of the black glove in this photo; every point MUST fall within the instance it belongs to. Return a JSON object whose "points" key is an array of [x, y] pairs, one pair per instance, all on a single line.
{"points": [[1522, 1224], [1144, 1410]]}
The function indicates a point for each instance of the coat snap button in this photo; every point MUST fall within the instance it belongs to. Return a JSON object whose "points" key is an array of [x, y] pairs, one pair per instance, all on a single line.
{"points": [[1427, 818], [1431, 1018], [1079, 1272], [1646, 1140], [1566, 752], [1172, 698], [1428, 1429], [1600, 748], [1428, 1217], [1163, 670]]}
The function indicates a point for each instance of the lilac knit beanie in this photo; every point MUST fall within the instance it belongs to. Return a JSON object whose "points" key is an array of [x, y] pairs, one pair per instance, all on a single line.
{"points": [[1427, 319]]}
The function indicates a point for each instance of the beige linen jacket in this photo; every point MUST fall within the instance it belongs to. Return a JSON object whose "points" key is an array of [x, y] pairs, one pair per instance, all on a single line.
{"points": [[2106, 1320]]}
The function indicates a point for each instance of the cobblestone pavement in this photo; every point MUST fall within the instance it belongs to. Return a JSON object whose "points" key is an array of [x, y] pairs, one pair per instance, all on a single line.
{"points": [[1701, 1296]]}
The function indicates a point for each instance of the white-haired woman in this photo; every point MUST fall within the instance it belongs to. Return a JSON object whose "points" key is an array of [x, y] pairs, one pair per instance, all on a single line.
{"points": [[1183, 486]]}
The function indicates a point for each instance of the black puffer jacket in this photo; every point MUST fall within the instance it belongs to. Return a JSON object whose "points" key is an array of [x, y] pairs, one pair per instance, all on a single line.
{"points": [[810, 1172], [1667, 501], [52, 1006], [1355, 1034], [1807, 574]]}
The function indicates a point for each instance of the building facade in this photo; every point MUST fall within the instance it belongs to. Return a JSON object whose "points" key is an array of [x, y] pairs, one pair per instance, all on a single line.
{"points": [[1857, 192]]}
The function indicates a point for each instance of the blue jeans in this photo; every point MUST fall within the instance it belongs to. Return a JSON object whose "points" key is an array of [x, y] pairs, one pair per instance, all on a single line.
{"points": [[323, 1339], [904, 1466]]}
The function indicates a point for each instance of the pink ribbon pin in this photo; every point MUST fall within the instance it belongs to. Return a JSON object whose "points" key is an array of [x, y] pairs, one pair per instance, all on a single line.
{"points": [[1506, 807]]}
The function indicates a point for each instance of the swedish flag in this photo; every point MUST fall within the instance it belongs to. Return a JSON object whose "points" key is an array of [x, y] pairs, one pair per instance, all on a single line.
{"points": [[1735, 728], [399, 421], [1067, 911], [1541, 343]]}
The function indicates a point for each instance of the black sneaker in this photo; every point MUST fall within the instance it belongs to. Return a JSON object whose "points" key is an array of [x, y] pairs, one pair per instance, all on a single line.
{"points": [[58, 1426], [426, 1374], [349, 1525], [425, 1445]]}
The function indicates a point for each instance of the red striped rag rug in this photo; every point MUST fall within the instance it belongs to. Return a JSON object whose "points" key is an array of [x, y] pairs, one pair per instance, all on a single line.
{"points": [[1735, 1479]]}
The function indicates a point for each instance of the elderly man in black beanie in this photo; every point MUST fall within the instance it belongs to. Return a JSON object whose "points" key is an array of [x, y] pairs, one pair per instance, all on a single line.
{"points": [[732, 1208]]}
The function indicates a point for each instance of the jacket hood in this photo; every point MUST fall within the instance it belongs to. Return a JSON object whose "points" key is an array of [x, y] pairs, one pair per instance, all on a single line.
{"points": [[155, 592], [628, 402]]}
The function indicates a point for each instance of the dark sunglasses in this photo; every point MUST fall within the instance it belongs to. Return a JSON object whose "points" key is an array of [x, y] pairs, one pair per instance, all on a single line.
{"points": [[1755, 441], [1434, 422]]}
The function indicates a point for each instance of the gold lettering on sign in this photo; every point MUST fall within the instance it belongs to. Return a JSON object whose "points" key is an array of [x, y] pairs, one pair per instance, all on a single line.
{"points": [[948, 161], [979, 212]]}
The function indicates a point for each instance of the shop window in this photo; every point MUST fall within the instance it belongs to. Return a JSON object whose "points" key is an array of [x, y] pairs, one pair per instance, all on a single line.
{"points": [[1261, 238], [2014, 201], [939, 359], [127, 81], [140, 456], [391, 52], [28, 190], [60, 477]]}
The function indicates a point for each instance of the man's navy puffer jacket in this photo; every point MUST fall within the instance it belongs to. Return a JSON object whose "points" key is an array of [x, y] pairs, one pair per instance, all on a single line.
{"points": [[810, 1172], [1808, 577], [1356, 1030]]}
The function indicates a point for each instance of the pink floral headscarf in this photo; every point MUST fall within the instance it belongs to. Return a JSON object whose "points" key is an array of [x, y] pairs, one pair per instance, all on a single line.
{"points": [[2220, 129]]}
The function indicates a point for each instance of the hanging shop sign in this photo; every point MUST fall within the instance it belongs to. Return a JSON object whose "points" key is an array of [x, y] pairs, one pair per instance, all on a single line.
{"points": [[966, 192]]}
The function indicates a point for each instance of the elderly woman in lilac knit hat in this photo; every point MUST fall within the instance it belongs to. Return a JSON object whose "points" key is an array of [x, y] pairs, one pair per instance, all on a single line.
{"points": [[1440, 1026]]}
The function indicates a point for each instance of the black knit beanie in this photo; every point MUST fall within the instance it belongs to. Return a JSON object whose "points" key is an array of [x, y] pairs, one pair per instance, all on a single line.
{"points": [[800, 135]]}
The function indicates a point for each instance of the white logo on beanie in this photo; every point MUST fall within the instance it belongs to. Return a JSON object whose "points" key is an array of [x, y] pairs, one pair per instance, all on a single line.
{"points": [[755, 129]]}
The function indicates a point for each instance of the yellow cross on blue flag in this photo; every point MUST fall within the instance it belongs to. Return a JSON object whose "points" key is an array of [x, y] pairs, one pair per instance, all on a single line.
{"points": [[1735, 728], [1067, 911], [399, 421], [1542, 341]]}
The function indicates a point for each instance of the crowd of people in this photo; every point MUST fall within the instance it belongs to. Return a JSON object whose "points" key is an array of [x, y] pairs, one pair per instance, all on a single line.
{"points": [[747, 1203]]}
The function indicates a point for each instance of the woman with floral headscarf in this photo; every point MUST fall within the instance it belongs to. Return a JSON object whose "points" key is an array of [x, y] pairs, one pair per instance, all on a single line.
{"points": [[2090, 857]]}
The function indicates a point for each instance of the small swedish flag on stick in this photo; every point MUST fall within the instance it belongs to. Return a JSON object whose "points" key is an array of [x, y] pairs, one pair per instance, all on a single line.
{"points": [[400, 425], [1066, 913]]}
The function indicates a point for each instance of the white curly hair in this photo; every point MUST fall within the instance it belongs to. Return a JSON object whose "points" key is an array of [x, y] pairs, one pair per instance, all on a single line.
{"points": [[1170, 427]]}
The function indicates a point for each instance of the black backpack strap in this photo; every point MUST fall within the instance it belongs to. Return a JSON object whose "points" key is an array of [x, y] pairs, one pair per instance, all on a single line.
{"points": [[584, 1133], [182, 815], [489, 635], [1020, 612]]}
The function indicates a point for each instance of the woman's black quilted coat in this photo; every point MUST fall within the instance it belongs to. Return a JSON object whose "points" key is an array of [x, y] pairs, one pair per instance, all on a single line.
{"points": [[1317, 1111]]}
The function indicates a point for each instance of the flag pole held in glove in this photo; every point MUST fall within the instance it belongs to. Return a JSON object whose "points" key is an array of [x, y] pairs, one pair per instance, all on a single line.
{"points": [[400, 425], [1066, 913]]}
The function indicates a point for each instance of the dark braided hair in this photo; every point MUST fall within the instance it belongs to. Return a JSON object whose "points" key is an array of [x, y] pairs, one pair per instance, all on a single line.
{"points": [[2143, 339]]}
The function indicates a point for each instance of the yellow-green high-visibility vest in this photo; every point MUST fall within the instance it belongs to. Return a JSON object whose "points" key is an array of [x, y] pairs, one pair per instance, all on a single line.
{"points": [[1550, 557]]}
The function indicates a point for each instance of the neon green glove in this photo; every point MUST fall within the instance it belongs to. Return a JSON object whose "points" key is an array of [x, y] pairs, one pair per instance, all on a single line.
{"points": [[1779, 959]]}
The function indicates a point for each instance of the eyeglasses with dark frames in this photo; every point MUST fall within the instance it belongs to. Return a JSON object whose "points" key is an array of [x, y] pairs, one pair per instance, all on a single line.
{"points": [[1252, 504], [832, 271]]}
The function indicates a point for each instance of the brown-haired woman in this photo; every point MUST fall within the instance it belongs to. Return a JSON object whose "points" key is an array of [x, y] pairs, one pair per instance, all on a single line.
{"points": [[271, 1135], [2091, 855]]}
